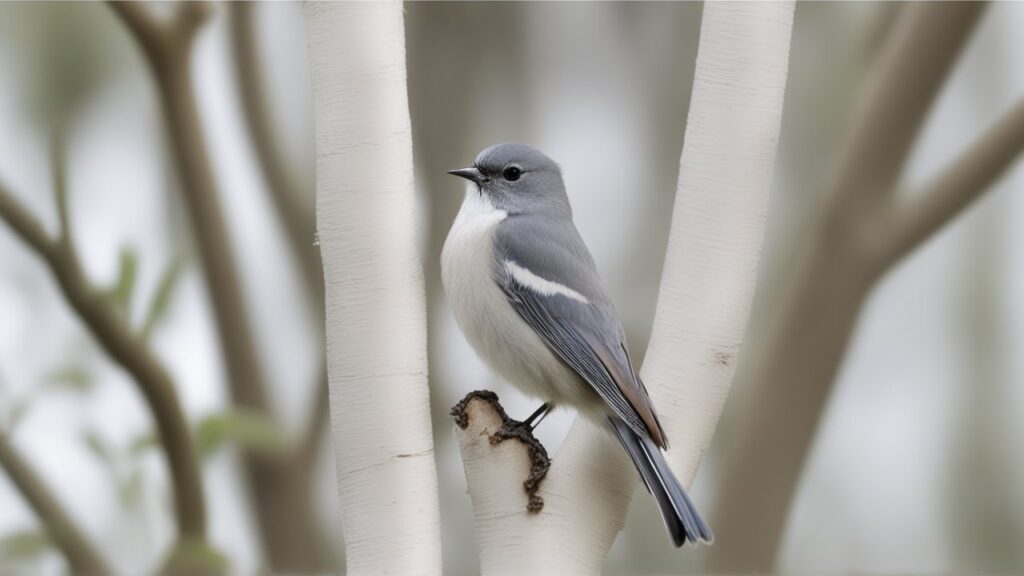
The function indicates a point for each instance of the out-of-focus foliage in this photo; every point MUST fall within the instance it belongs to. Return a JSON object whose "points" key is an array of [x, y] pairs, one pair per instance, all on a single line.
{"points": [[244, 428], [123, 288], [25, 545], [73, 377], [67, 51], [927, 408], [161, 301]]}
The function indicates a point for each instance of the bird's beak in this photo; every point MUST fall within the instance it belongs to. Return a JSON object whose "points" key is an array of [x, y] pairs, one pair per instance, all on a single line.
{"points": [[472, 174]]}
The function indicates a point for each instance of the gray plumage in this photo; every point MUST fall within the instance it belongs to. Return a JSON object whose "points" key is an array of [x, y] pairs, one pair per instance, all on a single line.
{"points": [[525, 291], [585, 335]]}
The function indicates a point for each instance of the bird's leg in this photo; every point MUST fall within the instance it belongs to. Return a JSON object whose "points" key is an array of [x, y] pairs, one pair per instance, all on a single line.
{"points": [[538, 416], [513, 429]]}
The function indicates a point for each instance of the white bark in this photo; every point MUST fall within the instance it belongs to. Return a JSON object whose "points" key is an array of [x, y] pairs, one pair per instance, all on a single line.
{"points": [[706, 291], [725, 176], [376, 317]]}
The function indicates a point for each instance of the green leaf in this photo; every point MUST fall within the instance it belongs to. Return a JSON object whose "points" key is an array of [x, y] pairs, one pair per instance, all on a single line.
{"points": [[25, 545], [73, 378], [17, 413], [191, 556], [250, 430], [59, 170], [121, 292], [130, 490], [162, 297], [99, 447], [69, 53], [144, 443]]}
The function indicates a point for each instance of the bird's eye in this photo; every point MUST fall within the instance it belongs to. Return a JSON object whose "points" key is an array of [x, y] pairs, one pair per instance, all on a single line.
{"points": [[512, 173]]}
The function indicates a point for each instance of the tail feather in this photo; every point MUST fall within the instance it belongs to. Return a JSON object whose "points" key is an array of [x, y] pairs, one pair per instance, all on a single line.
{"points": [[681, 518]]}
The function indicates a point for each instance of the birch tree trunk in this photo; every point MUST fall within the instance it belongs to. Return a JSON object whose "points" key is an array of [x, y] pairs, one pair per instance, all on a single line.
{"points": [[376, 319], [707, 287]]}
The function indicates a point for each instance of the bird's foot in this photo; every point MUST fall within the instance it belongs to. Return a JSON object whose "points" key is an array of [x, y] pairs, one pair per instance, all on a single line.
{"points": [[539, 460], [539, 415], [513, 429]]}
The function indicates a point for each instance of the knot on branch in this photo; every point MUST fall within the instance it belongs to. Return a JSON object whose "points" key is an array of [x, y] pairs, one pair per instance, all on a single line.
{"points": [[510, 429]]}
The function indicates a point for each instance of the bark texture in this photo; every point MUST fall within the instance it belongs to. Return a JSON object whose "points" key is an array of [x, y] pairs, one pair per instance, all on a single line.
{"points": [[376, 315]]}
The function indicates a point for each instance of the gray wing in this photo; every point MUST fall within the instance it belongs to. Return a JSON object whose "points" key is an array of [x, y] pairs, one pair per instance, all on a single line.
{"points": [[583, 331]]}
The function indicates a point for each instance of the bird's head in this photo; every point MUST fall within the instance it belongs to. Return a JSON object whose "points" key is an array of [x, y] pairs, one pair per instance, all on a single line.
{"points": [[517, 178]]}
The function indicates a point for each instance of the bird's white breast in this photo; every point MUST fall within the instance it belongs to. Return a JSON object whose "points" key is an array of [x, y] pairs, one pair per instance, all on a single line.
{"points": [[494, 329]]}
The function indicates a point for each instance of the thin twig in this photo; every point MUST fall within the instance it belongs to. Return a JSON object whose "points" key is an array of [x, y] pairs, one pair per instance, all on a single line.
{"points": [[296, 215], [136, 17], [918, 214], [313, 435], [880, 25], [60, 187], [160, 40], [125, 348], [905, 81], [204, 206], [280, 490], [83, 558], [808, 328]]}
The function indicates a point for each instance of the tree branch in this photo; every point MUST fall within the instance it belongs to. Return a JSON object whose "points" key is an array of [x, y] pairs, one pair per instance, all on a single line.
{"points": [[60, 188], [917, 215], [280, 490], [136, 17], [280, 485], [297, 217], [160, 40], [880, 25], [27, 227], [205, 210], [123, 346], [897, 96], [703, 305], [71, 540], [789, 375], [375, 309], [318, 421]]}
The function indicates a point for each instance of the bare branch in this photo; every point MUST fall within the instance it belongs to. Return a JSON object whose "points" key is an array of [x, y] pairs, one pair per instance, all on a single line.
{"points": [[161, 40], [881, 23], [318, 421], [298, 217], [207, 214], [788, 377], [27, 227], [917, 215], [60, 186], [280, 489], [897, 97], [136, 17], [69, 538], [125, 348]]}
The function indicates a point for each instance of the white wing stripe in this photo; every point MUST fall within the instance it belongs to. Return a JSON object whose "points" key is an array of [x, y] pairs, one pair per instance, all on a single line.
{"points": [[540, 285]]}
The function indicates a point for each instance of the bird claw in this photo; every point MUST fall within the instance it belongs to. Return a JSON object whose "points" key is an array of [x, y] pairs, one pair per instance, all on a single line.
{"points": [[512, 429]]}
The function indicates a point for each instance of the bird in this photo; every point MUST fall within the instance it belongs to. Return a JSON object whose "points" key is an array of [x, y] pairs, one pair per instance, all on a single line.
{"points": [[525, 292]]}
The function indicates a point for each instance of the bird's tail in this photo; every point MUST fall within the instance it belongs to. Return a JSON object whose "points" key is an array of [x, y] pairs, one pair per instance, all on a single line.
{"points": [[677, 510]]}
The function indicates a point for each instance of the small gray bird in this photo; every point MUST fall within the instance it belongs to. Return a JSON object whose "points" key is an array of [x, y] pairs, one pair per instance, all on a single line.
{"points": [[525, 291]]}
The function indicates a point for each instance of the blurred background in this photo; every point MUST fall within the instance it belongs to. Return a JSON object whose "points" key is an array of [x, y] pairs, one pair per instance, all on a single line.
{"points": [[917, 465]]}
